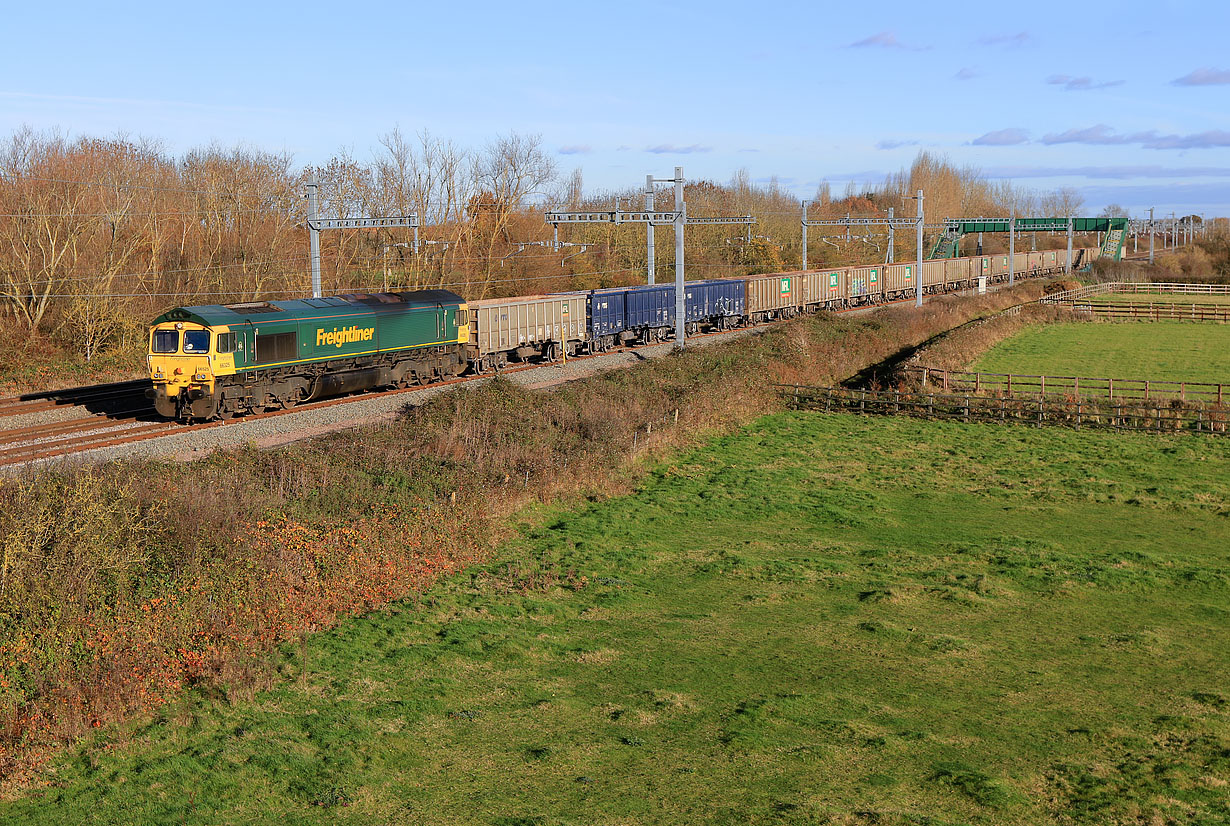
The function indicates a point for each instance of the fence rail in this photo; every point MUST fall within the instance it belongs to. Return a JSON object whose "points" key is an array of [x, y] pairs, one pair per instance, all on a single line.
{"points": [[1017, 384], [1153, 416], [1169, 287], [1154, 312]]}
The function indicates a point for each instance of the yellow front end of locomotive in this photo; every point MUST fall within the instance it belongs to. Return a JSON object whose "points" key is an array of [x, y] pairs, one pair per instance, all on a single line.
{"points": [[185, 363]]}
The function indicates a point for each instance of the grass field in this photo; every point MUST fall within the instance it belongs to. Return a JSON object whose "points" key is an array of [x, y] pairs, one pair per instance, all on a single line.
{"points": [[821, 619], [1163, 350], [1158, 298]]}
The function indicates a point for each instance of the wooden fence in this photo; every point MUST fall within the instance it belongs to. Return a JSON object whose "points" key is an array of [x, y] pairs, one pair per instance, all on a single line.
{"points": [[1153, 416], [1170, 288], [1015, 384], [1154, 311]]}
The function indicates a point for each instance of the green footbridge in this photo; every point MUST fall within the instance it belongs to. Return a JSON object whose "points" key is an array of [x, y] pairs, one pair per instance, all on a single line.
{"points": [[948, 245]]}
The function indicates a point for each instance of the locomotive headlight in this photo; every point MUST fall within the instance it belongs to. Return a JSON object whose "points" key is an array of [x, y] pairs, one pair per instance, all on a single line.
{"points": [[179, 325]]}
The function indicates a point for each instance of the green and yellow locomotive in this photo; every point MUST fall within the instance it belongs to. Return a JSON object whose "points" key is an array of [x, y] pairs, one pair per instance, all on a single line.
{"points": [[216, 361]]}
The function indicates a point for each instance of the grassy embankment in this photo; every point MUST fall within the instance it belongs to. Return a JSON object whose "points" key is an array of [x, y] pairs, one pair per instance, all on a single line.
{"points": [[120, 585], [1164, 350], [821, 619]]}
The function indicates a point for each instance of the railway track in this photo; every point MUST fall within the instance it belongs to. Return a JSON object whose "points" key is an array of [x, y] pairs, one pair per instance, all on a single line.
{"points": [[54, 440], [119, 413], [90, 396]]}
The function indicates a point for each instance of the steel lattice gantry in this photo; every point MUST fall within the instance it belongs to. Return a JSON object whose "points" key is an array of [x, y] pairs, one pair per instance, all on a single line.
{"points": [[315, 224], [892, 223], [677, 218]]}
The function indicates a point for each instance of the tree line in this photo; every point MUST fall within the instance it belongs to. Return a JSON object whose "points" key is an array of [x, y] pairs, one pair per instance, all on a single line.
{"points": [[99, 234]]}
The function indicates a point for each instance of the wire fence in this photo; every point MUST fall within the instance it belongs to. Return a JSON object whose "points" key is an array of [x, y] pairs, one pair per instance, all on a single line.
{"points": [[1151, 415]]}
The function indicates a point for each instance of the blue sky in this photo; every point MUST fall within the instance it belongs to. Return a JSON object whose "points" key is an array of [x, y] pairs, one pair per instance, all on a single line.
{"points": [[1129, 101]]}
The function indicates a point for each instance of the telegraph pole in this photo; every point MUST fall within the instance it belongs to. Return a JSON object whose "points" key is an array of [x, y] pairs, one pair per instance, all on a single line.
{"points": [[649, 248], [1150, 235], [1071, 226], [805, 203], [891, 237], [918, 285], [1012, 249], [681, 217], [313, 196]]}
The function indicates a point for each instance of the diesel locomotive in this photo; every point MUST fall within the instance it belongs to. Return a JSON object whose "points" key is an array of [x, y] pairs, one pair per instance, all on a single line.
{"points": [[216, 361]]}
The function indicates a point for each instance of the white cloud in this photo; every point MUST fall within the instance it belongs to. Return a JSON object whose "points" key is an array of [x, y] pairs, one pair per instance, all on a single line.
{"points": [[671, 149], [1207, 76], [1080, 84], [1010, 40], [884, 40], [1003, 137]]}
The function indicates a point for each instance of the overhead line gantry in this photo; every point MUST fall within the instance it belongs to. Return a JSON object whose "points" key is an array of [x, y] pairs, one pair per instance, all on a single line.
{"points": [[890, 222], [678, 218]]}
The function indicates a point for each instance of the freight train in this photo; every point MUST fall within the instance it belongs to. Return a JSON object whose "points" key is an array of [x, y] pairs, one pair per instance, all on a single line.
{"points": [[218, 361]]}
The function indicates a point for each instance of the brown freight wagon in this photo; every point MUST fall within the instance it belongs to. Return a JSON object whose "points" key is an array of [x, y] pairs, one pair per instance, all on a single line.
{"points": [[771, 296], [957, 272], [525, 327], [822, 289], [899, 279], [933, 275], [865, 285]]}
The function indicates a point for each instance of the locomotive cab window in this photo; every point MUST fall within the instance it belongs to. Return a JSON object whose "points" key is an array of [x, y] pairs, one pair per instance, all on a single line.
{"points": [[227, 342], [165, 341], [196, 341]]}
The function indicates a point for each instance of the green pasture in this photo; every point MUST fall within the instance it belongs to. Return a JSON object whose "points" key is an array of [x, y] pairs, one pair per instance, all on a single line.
{"points": [[1162, 350], [820, 619]]}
